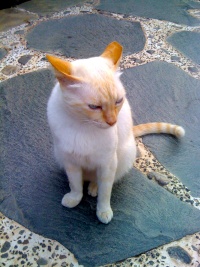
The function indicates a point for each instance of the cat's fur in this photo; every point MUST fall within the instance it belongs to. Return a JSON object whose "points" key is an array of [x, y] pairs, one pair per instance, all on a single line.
{"points": [[91, 123]]}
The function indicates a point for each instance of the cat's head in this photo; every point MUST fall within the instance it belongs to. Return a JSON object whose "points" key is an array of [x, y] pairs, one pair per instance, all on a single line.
{"points": [[91, 87]]}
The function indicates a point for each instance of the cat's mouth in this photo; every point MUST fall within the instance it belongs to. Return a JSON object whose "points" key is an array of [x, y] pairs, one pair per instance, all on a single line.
{"points": [[99, 124], [104, 125]]}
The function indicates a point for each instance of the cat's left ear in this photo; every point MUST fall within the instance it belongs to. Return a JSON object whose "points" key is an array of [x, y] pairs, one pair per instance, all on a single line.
{"points": [[63, 71], [113, 52]]}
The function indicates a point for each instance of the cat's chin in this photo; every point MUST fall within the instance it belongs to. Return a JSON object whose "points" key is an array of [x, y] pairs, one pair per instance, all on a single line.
{"points": [[104, 126]]}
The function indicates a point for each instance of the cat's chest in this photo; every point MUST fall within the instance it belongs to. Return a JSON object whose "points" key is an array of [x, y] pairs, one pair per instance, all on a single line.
{"points": [[87, 145]]}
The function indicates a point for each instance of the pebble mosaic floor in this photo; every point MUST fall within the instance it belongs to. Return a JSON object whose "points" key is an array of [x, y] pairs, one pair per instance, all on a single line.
{"points": [[19, 246]]}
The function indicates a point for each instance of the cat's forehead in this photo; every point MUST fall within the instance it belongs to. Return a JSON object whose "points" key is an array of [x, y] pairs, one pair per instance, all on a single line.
{"points": [[96, 71], [102, 80], [92, 66]]}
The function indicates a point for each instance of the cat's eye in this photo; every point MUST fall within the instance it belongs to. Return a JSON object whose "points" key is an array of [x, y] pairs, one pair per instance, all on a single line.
{"points": [[94, 107], [119, 101]]}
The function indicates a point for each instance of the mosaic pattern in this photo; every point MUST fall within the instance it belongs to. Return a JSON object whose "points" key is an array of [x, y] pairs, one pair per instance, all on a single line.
{"points": [[182, 253], [20, 247], [149, 165], [156, 47], [16, 238]]}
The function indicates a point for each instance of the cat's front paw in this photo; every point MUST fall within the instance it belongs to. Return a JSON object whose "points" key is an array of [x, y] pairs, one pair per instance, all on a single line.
{"points": [[105, 216], [71, 200]]}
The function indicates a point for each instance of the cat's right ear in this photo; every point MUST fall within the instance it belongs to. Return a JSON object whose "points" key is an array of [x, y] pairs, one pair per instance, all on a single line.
{"points": [[113, 52], [63, 71]]}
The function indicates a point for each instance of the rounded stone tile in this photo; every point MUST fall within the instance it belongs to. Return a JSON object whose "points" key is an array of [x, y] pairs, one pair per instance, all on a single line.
{"points": [[24, 59], [159, 91], [9, 70], [171, 10], [12, 17], [187, 43], [85, 35], [3, 53]]}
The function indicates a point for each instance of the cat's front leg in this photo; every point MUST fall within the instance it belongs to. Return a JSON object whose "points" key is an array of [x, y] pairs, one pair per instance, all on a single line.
{"points": [[73, 198], [106, 176]]}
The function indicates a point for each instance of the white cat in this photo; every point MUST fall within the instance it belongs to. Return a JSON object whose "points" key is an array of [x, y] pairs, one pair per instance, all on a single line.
{"points": [[91, 123]]}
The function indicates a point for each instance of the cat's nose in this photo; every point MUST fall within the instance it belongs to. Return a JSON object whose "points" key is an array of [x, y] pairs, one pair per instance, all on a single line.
{"points": [[110, 117], [111, 122]]}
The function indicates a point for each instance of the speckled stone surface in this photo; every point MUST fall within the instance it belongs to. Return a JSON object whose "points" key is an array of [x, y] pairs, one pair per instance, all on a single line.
{"points": [[172, 10], [69, 35], [20, 247], [156, 48], [188, 43]]}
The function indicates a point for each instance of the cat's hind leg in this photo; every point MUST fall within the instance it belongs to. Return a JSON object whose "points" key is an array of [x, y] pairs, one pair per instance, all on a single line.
{"points": [[92, 189], [73, 198], [91, 176]]}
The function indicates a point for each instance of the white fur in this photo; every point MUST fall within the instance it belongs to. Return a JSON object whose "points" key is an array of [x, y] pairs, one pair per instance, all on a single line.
{"points": [[87, 150]]}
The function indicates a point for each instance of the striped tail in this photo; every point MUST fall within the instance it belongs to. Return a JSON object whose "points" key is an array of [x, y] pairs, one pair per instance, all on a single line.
{"points": [[158, 127]]}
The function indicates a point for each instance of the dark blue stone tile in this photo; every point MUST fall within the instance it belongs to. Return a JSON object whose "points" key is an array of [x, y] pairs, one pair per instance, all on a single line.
{"points": [[85, 35], [159, 91], [172, 10], [145, 214], [3, 53], [187, 43], [179, 254]]}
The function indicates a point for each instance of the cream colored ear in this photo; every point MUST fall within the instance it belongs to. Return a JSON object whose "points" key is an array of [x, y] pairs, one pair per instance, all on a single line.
{"points": [[63, 70], [113, 52]]}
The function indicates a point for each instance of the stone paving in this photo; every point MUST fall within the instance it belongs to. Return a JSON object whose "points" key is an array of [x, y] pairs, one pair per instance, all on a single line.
{"points": [[159, 201]]}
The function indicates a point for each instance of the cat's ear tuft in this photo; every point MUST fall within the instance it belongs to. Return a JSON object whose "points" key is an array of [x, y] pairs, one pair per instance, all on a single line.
{"points": [[113, 52], [63, 71]]}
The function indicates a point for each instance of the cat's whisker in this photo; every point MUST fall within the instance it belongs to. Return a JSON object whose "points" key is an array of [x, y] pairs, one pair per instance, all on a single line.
{"points": [[85, 121], [91, 122]]}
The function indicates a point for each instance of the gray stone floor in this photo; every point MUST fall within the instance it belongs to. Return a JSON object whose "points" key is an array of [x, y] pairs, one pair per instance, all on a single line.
{"points": [[161, 74]]}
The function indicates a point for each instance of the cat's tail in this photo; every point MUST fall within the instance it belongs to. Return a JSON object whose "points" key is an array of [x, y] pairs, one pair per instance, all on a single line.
{"points": [[158, 127]]}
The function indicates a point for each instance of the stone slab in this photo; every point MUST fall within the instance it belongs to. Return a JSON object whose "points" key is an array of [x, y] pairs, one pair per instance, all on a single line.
{"points": [[48, 7], [12, 17], [85, 35], [32, 186], [171, 10], [3, 53], [24, 59], [187, 43], [160, 91]]}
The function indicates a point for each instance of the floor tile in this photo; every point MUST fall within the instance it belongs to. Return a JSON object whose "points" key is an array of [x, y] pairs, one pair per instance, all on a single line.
{"points": [[94, 31], [159, 91], [187, 43], [12, 17], [172, 10]]}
